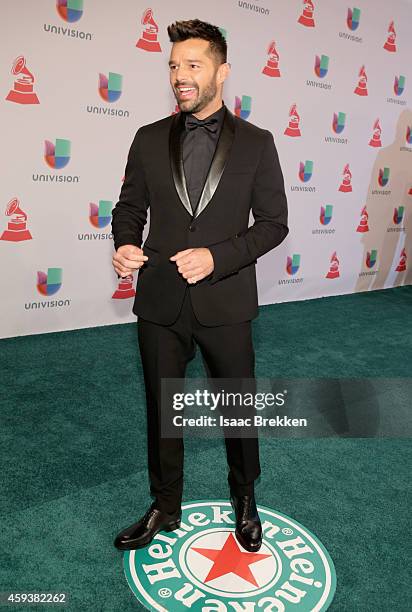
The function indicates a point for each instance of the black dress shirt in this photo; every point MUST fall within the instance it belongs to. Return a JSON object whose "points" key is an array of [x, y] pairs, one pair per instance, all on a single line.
{"points": [[199, 146]]}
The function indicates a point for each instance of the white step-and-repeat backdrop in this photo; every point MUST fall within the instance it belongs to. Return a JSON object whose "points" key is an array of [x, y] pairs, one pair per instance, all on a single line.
{"points": [[331, 81]]}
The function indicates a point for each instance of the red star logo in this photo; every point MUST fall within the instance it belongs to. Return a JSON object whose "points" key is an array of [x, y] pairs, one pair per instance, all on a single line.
{"points": [[231, 559]]}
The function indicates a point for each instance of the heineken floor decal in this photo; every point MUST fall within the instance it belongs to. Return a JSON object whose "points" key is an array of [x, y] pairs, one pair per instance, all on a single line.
{"points": [[202, 567]]}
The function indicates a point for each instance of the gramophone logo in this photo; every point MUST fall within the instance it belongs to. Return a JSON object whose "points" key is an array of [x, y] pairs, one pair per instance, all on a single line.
{"points": [[383, 176], [409, 134], [124, 289], [50, 283], [110, 88], [148, 40], [293, 264], [321, 65], [346, 184], [363, 223], [398, 215], [306, 19], [326, 214], [390, 44], [401, 267], [305, 170], [57, 155], [22, 91], [353, 18], [361, 88], [338, 123], [272, 64], [399, 85], [16, 227], [371, 257], [243, 106], [294, 120], [101, 213], [70, 10], [375, 141], [333, 267]]}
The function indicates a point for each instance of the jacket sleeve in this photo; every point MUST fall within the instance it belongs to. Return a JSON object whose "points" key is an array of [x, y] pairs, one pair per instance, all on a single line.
{"points": [[130, 212], [270, 212]]}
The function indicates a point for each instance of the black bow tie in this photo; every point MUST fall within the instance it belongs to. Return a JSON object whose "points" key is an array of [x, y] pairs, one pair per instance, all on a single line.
{"points": [[210, 124]]}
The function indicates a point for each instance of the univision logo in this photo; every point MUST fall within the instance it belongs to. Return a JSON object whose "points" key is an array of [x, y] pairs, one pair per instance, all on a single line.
{"points": [[243, 106], [100, 216], [321, 65], [292, 264], [48, 283], [398, 215], [338, 123], [353, 19], [57, 155], [399, 85], [321, 68], [383, 176], [70, 10], [325, 217], [371, 257], [326, 214], [305, 171], [397, 219], [110, 88]]}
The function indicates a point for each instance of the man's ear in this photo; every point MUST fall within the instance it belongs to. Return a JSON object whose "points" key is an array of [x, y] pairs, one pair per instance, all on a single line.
{"points": [[223, 72]]}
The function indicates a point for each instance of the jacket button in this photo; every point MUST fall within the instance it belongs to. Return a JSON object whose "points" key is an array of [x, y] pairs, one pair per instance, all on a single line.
{"points": [[192, 228]]}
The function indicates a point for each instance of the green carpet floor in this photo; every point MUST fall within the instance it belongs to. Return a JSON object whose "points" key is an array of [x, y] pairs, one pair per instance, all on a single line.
{"points": [[74, 456]]}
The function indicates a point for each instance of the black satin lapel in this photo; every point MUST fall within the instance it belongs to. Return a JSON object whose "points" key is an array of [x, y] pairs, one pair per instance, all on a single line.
{"points": [[176, 161], [218, 162]]}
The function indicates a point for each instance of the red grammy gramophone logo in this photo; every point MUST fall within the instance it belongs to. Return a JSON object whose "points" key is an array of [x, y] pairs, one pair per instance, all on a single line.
{"points": [[346, 184], [333, 267], [272, 65], [22, 92], [294, 118], [362, 89], [16, 228], [125, 288], [390, 44], [375, 141], [401, 267], [363, 223], [306, 18], [148, 40]]}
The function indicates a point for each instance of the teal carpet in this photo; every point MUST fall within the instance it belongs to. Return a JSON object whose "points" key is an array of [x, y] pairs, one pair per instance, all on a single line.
{"points": [[74, 456]]}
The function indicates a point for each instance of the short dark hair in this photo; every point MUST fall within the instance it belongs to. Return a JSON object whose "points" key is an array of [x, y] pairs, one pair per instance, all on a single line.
{"points": [[194, 28]]}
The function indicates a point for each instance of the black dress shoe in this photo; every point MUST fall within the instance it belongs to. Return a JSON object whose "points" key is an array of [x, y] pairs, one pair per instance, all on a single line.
{"points": [[248, 530], [142, 533]]}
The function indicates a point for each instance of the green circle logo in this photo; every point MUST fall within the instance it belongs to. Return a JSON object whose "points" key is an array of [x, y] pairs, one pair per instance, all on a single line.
{"points": [[201, 567]]}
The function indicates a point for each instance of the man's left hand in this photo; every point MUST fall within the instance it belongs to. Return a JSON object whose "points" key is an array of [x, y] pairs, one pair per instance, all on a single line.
{"points": [[194, 264]]}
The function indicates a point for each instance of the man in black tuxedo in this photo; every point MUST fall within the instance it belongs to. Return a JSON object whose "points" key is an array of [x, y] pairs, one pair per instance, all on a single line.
{"points": [[201, 171]]}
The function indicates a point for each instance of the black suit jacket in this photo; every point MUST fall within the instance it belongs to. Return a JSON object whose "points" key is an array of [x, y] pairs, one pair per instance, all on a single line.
{"points": [[245, 175]]}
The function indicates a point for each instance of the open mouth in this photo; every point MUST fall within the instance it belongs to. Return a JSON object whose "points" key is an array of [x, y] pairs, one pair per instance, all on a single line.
{"points": [[185, 93]]}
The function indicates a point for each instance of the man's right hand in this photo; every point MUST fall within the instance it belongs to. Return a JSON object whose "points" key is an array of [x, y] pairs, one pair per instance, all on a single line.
{"points": [[127, 259]]}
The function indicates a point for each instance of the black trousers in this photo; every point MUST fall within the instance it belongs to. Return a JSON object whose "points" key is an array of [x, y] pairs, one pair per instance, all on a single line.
{"points": [[227, 352]]}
